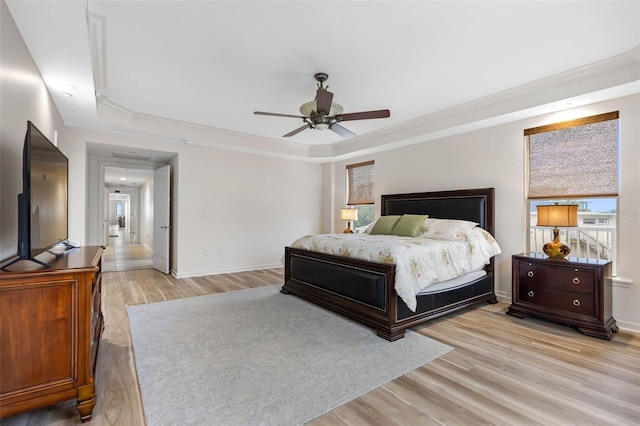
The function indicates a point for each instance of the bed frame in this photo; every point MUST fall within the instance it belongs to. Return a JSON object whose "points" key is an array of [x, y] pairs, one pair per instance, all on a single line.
{"points": [[364, 291]]}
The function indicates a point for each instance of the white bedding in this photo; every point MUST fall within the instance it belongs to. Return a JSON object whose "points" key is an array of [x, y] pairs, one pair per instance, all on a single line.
{"points": [[420, 262]]}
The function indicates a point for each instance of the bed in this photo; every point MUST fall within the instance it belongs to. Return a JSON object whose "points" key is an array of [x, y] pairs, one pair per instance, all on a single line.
{"points": [[365, 291]]}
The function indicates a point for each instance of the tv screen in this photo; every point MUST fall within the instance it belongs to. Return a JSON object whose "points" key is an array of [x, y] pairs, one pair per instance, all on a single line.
{"points": [[45, 181]]}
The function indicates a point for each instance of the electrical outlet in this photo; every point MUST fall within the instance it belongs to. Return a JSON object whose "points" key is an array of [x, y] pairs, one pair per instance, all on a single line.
{"points": [[205, 252], [219, 252]]}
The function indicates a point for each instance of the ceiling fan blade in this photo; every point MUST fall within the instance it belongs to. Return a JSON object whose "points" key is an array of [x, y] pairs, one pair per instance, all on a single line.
{"points": [[342, 131], [365, 115], [275, 114], [323, 101], [296, 131]]}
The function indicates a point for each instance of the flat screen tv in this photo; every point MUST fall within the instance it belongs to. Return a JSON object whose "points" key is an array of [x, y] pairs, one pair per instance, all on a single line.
{"points": [[43, 204]]}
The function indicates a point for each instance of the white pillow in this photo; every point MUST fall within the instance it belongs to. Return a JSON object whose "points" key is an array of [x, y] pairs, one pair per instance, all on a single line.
{"points": [[370, 226], [446, 229]]}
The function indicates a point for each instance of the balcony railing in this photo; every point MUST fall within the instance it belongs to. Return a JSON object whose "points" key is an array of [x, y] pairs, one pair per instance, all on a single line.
{"points": [[589, 242]]}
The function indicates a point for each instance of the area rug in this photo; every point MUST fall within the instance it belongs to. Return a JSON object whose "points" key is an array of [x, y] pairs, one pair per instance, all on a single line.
{"points": [[259, 357]]}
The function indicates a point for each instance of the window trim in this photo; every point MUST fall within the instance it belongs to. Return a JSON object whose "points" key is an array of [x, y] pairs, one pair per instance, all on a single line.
{"points": [[530, 199], [573, 123]]}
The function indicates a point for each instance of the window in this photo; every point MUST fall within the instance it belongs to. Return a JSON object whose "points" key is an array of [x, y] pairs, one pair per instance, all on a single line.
{"points": [[365, 217], [576, 162], [360, 192]]}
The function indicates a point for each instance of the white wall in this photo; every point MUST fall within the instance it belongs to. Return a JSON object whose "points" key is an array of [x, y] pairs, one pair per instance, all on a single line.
{"points": [[495, 157], [231, 211], [23, 96], [242, 209]]}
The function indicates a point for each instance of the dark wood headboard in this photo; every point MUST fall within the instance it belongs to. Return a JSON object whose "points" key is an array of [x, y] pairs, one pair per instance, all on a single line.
{"points": [[475, 205]]}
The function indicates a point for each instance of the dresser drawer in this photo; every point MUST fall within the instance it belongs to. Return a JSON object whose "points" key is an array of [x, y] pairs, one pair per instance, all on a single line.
{"points": [[578, 303], [561, 278]]}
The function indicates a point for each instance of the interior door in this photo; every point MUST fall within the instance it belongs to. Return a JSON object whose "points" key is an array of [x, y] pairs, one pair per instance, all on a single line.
{"points": [[161, 218], [105, 222]]}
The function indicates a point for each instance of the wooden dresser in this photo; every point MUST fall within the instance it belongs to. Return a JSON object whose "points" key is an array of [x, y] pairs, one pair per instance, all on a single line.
{"points": [[574, 292], [50, 327]]}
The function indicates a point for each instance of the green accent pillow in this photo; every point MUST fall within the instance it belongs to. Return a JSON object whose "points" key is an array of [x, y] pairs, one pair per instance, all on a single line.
{"points": [[408, 225], [384, 225]]}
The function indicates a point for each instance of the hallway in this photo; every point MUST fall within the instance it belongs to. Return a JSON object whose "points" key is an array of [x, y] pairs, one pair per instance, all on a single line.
{"points": [[122, 254]]}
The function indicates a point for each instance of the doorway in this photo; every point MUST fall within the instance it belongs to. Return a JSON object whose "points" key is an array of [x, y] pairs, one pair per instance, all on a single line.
{"points": [[119, 211], [127, 217], [102, 159]]}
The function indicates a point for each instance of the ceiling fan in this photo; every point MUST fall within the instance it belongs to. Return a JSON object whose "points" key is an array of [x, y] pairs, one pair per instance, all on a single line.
{"points": [[322, 113]]}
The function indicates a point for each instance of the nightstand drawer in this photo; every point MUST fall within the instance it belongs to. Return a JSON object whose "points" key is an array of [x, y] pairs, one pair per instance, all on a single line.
{"points": [[578, 303], [561, 278]]}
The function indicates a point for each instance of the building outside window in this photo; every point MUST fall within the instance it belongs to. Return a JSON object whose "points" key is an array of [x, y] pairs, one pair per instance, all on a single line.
{"points": [[595, 236]]}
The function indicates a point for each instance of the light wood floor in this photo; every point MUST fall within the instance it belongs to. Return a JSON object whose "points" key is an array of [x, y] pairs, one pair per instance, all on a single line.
{"points": [[123, 253], [503, 371]]}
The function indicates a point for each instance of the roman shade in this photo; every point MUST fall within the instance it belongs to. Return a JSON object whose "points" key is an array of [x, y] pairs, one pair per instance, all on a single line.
{"points": [[574, 159]]}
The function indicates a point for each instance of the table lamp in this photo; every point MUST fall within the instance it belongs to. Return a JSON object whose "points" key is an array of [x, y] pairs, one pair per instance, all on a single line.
{"points": [[557, 215], [348, 215]]}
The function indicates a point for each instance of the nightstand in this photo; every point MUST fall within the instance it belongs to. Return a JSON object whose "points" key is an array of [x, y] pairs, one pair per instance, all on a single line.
{"points": [[574, 292]]}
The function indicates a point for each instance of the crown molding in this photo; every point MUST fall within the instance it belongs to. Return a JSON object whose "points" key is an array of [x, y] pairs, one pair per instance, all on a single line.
{"points": [[197, 134], [607, 79]]}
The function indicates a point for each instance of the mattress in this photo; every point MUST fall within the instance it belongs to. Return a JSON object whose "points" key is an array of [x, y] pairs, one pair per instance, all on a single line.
{"points": [[453, 283], [420, 263]]}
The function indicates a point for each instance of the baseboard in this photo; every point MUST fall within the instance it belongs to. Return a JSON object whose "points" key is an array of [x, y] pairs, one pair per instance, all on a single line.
{"points": [[503, 297], [627, 324], [226, 269]]}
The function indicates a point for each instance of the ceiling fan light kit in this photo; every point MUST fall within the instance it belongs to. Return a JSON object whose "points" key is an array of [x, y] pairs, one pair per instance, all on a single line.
{"points": [[322, 113], [308, 107]]}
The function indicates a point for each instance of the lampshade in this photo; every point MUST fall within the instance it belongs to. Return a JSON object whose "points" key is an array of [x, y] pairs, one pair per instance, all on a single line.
{"points": [[348, 214], [557, 215]]}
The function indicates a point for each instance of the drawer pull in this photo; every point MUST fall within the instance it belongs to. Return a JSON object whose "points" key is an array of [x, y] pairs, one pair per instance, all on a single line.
{"points": [[576, 303], [531, 293], [530, 274], [576, 280]]}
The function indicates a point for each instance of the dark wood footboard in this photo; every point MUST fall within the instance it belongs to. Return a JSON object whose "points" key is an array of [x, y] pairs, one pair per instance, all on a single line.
{"points": [[360, 290], [364, 291]]}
